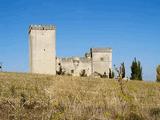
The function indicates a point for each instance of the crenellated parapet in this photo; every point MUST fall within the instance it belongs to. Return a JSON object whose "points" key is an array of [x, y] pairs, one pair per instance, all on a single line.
{"points": [[101, 50], [42, 27]]}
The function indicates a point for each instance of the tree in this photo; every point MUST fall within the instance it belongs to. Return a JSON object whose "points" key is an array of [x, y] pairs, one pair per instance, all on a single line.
{"points": [[136, 70], [139, 71], [60, 70], [111, 74], [123, 71], [83, 73], [158, 73], [0, 67]]}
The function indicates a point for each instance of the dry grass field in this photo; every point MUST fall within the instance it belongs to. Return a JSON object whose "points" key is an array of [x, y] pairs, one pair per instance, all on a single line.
{"points": [[41, 97]]}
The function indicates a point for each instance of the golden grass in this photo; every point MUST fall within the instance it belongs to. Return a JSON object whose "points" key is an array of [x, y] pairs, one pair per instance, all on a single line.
{"points": [[42, 97]]}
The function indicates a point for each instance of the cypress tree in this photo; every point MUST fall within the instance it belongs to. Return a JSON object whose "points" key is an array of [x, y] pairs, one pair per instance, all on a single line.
{"points": [[158, 73], [123, 70], [133, 69], [111, 74], [139, 71], [136, 70]]}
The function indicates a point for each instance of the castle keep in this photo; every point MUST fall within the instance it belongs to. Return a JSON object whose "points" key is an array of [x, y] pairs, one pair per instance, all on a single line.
{"points": [[43, 57], [42, 49]]}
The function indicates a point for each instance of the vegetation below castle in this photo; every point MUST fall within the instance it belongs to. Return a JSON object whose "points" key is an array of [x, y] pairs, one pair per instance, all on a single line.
{"points": [[42, 97]]}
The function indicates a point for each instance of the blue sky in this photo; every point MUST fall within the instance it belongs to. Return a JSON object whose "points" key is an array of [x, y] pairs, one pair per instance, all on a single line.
{"points": [[130, 27]]}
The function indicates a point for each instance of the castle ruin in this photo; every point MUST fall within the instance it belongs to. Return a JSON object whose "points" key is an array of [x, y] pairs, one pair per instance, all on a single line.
{"points": [[43, 59]]}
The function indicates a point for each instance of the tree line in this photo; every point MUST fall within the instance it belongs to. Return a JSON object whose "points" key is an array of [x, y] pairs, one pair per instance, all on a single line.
{"points": [[136, 71]]}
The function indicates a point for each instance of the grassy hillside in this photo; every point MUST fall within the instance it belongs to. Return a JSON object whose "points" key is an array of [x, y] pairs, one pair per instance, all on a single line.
{"points": [[41, 97]]}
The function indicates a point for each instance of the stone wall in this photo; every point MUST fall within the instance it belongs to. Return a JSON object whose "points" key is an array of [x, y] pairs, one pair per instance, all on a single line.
{"points": [[99, 61], [75, 65]]}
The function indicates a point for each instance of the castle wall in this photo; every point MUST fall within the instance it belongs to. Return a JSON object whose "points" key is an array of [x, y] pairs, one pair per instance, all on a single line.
{"points": [[43, 55], [99, 61], [75, 66], [42, 49]]}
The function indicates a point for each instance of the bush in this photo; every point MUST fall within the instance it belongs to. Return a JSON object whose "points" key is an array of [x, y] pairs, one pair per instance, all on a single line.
{"points": [[83, 73], [104, 75], [60, 71], [158, 73]]}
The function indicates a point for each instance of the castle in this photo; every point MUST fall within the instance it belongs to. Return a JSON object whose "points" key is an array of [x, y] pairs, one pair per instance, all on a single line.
{"points": [[43, 58]]}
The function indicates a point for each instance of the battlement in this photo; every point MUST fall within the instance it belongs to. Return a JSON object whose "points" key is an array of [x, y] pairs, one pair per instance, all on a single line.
{"points": [[101, 50], [70, 59], [41, 27]]}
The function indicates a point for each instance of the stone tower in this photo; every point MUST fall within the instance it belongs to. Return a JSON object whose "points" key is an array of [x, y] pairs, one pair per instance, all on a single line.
{"points": [[101, 60], [42, 49]]}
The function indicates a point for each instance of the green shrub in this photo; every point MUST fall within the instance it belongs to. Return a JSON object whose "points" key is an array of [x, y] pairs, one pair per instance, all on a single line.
{"points": [[158, 73]]}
